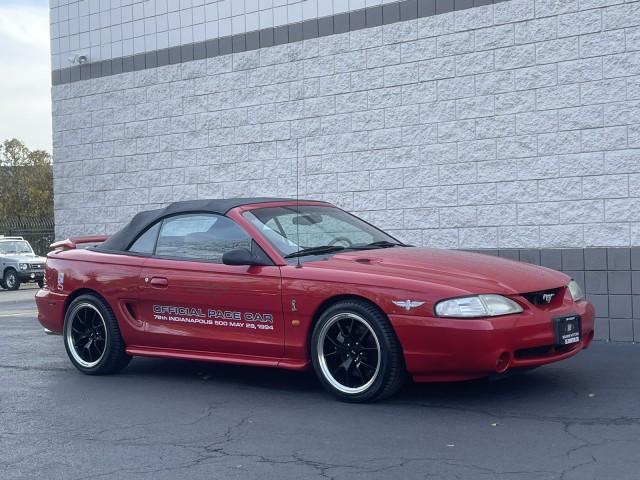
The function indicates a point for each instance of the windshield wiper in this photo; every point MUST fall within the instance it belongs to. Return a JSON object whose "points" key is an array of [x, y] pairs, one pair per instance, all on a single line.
{"points": [[316, 251], [322, 249], [379, 244], [385, 244]]}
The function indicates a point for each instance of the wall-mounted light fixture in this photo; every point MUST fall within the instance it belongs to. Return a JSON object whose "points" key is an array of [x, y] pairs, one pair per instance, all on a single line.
{"points": [[78, 58]]}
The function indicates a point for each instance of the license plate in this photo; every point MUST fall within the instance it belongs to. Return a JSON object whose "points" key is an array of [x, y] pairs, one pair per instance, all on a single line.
{"points": [[567, 329]]}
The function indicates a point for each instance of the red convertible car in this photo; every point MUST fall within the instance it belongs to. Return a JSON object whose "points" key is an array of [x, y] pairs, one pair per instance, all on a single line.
{"points": [[295, 284]]}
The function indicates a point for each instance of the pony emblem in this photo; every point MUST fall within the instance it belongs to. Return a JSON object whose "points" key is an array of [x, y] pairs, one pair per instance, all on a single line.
{"points": [[547, 297]]}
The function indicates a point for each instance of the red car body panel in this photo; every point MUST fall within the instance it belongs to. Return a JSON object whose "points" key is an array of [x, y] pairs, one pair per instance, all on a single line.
{"points": [[203, 285], [435, 349]]}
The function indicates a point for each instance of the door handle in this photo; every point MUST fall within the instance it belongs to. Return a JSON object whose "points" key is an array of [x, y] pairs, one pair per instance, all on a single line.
{"points": [[159, 282]]}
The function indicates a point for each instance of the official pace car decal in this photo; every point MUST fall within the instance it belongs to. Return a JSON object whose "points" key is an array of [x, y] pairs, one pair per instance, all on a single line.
{"points": [[214, 317]]}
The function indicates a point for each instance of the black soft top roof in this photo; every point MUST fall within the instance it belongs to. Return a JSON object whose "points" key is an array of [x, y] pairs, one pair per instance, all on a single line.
{"points": [[121, 240]]}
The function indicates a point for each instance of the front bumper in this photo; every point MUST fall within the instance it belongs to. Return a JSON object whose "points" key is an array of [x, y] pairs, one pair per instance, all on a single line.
{"points": [[26, 276], [447, 349]]}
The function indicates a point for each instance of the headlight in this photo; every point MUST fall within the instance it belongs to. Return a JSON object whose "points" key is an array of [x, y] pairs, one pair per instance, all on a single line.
{"points": [[477, 306], [24, 266], [575, 290]]}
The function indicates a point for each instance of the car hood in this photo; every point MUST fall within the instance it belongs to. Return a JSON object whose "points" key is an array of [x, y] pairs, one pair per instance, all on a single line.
{"points": [[456, 270], [23, 258]]}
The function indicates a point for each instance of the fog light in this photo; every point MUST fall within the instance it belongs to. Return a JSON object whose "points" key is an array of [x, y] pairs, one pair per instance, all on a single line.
{"points": [[503, 362], [33, 275]]}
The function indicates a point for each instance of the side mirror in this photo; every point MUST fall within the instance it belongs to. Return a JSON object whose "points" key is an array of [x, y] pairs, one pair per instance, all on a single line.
{"points": [[240, 256]]}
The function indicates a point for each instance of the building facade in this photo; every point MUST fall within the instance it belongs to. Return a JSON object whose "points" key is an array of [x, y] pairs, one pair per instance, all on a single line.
{"points": [[506, 126]]}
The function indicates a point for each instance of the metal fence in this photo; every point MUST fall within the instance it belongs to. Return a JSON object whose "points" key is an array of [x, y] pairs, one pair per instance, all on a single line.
{"points": [[39, 232]]}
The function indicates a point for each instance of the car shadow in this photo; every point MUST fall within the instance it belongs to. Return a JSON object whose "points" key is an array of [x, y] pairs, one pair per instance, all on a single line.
{"points": [[224, 374], [483, 390], [535, 383]]}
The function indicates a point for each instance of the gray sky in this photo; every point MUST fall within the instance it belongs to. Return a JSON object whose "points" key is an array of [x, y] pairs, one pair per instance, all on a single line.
{"points": [[25, 66]]}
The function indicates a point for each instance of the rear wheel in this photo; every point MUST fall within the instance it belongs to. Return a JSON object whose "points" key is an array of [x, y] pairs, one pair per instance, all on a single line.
{"points": [[92, 337], [355, 352], [11, 280]]}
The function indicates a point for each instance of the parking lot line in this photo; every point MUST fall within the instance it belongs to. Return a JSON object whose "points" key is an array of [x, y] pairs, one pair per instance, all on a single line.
{"points": [[30, 313]]}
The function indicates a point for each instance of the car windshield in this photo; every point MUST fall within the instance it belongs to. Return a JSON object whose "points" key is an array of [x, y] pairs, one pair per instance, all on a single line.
{"points": [[15, 246], [316, 230]]}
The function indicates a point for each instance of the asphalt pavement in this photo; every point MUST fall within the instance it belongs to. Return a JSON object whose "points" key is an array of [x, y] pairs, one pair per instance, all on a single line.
{"points": [[161, 419]]}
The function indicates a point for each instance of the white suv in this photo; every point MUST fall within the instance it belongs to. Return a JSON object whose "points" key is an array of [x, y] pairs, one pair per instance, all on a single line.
{"points": [[19, 264]]}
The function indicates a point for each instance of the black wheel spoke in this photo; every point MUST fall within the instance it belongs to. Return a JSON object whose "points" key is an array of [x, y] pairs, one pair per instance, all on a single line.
{"points": [[364, 335], [370, 367], [347, 375], [358, 372], [344, 365], [342, 332], [96, 351], [332, 340]]}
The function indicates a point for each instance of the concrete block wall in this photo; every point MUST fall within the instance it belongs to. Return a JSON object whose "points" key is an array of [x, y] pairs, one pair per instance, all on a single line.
{"points": [[507, 126]]}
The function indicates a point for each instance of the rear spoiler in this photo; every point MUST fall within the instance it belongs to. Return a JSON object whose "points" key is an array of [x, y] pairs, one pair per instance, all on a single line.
{"points": [[72, 242]]}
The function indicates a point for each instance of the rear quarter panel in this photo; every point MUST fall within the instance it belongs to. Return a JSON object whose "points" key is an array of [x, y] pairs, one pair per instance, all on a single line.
{"points": [[114, 277]]}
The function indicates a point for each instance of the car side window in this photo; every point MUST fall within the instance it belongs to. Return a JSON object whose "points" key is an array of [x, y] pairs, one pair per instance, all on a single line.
{"points": [[200, 237], [146, 242]]}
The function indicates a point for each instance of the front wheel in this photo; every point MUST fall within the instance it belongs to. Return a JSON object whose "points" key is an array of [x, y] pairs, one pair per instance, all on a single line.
{"points": [[11, 280], [355, 352], [92, 337]]}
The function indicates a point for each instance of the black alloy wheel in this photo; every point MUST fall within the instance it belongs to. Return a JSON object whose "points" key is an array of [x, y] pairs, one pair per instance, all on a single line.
{"points": [[355, 352], [92, 337]]}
